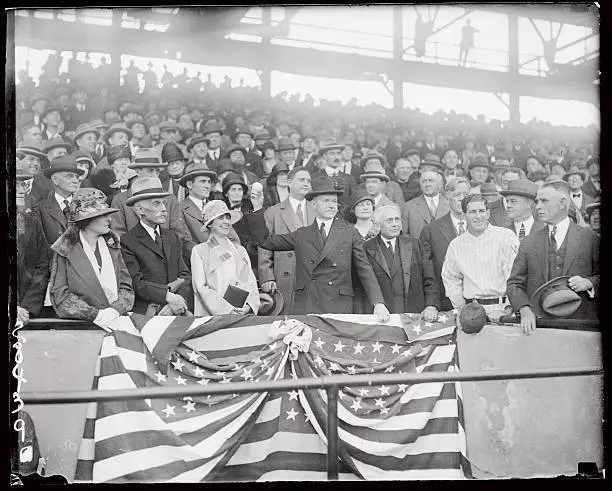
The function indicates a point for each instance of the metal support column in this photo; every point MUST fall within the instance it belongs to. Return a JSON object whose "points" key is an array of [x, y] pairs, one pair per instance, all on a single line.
{"points": [[332, 433], [115, 53], [266, 84], [398, 85], [513, 66]]}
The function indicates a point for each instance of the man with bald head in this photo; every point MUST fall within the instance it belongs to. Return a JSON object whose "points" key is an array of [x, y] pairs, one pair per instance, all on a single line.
{"points": [[561, 248], [404, 272], [426, 208]]}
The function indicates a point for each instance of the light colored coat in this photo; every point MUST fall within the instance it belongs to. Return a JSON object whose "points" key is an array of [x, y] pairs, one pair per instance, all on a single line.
{"points": [[279, 266], [415, 215], [206, 261]]}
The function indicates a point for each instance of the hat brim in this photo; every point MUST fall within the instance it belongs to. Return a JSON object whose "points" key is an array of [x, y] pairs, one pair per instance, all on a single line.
{"points": [[135, 199], [473, 166], [208, 132], [194, 143], [362, 199], [235, 216], [24, 177], [231, 183], [66, 145], [29, 151], [322, 150], [79, 134], [314, 194], [52, 170], [517, 193], [96, 214], [278, 304], [191, 175], [382, 177], [112, 131], [536, 299], [141, 165]]}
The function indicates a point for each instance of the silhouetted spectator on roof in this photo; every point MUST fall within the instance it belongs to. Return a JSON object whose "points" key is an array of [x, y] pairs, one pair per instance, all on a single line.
{"points": [[467, 42]]}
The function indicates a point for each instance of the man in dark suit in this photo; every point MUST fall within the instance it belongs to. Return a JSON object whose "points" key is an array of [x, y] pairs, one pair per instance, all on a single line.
{"points": [[277, 269], [153, 255], [576, 179], [405, 274], [307, 153], [213, 133], [81, 111], [33, 253], [520, 204], [436, 235], [346, 157], [562, 248], [331, 153], [326, 253]]}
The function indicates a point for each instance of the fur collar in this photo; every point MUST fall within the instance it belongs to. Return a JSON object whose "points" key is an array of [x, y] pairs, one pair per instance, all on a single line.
{"points": [[64, 244]]}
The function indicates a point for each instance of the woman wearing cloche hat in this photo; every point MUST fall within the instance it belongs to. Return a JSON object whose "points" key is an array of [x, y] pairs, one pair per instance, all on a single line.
{"points": [[89, 279], [223, 281]]}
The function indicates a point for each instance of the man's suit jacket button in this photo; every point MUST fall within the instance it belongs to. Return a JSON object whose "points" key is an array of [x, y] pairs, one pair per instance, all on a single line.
{"points": [[334, 265], [329, 283]]}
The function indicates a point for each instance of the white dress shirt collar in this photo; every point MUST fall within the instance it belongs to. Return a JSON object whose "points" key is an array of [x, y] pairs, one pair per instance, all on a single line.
{"points": [[456, 221], [294, 204], [197, 202], [215, 154], [151, 231], [331, 172], [432, 200], [562, 228], [528, 224], [328, 224], [393, 242], [60, 200]]}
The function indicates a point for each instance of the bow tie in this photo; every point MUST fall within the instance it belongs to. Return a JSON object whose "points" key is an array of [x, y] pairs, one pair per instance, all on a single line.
{"points": [[576, 195]]}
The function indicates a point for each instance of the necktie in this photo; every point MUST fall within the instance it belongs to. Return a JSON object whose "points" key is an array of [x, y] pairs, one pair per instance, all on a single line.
{"points": [[461, 227], [300, 215], [158, 240], [553, 240], [98, 257], [521, 234], [66, 210], [323, 234], [390, 247], [432, 209], [576, 195]]}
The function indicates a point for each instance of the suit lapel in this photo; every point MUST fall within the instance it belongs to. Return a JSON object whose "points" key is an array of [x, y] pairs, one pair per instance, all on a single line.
{"points": [[55, 211], [165, 243], [447, 229], [405, 250], [572, 239], [423, 209], [288, 216], [147, 241], [313, 231], [192, 210], [332, 239], [379, 256]]}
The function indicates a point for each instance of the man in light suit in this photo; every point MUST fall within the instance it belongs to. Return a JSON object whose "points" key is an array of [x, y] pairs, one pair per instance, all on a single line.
{"points": [[426, 208], [326, 253], [404, 272], [437, 235], [562, 248], [277, 269]]}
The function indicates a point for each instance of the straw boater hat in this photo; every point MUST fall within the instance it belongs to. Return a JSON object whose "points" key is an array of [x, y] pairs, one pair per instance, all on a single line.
{"points": [[115, 128], [147, 157], [553, 179], [377, 172], [555, 298], [521, 187], [215, 209], [323, 185], [575, 172], [146, 188], [88, 203], [194, 170], [65, 163]]}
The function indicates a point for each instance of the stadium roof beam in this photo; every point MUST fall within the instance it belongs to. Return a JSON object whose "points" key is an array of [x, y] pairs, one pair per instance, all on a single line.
{"points": [[448, 24], [42, 34]]}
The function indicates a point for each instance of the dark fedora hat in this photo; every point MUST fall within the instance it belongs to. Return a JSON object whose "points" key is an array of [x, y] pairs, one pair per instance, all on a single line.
{"points": [[211, 128], [58, 142], [195, 139], [171, 152], [409, 152], [243, 130], [575, 172], [65, 163], [224, 165], [279, 167], [285, 143], [131, 108], [521, 187], [270, 304], [118, 152], [49, 108], [168, 126], [488, 189], [262, 135], [555, 299], [115, 128], [323, 185], [193, 170]]}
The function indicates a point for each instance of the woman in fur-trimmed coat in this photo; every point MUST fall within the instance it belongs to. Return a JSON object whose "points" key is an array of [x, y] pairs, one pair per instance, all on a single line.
{"points": [[89, 279]]}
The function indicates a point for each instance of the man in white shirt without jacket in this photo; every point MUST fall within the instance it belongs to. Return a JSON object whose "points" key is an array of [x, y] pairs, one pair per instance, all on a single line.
{"points": [[478, 262]]}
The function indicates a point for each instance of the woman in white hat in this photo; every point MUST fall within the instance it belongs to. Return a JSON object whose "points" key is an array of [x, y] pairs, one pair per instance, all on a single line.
{"points": [[89, 279], [223, 281]]}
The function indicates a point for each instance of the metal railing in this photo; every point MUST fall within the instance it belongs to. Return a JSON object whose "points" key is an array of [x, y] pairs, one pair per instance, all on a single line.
{"points": [[331, 384]]}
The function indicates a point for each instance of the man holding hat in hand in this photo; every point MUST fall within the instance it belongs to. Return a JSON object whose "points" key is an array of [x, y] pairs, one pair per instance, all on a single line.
{"points": [[561, 248], [153, 254], [326, 253]]}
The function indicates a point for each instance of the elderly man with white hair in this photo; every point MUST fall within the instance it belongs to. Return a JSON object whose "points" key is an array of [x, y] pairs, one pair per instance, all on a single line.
{"points": [[426, 208], [404, 272]]}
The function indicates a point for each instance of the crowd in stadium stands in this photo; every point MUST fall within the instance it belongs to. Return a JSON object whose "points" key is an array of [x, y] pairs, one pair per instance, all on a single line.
{"points": [[189, 199]]}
